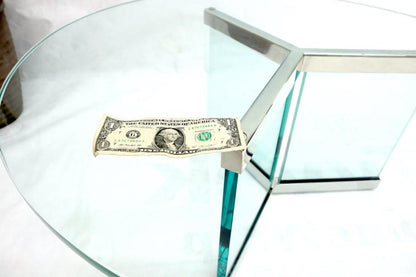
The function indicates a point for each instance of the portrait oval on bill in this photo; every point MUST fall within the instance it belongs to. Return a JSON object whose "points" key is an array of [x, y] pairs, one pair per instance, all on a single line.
{"points": [[169, 139]]}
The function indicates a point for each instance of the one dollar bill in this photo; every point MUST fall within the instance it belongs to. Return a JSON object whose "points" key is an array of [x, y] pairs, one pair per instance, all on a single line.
{"points": [[170, 137]]}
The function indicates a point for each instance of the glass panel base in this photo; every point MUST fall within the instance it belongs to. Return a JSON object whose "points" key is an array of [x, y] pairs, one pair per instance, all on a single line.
{"points": [[303, 186], [312, 185]]}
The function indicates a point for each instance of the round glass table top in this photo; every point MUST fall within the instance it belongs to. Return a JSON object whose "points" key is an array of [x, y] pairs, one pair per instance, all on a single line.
{"points": [[129, 216], [150, 216]]}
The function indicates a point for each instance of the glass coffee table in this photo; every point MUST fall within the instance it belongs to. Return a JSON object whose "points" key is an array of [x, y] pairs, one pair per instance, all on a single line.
{"points": [[158, 216]]}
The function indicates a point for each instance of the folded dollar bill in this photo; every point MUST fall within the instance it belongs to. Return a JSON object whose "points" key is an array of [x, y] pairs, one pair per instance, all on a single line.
{"points": [[170, 137]]}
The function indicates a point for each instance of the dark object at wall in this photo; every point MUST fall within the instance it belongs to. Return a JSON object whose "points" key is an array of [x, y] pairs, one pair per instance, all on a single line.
{"points": [[11, 105]]}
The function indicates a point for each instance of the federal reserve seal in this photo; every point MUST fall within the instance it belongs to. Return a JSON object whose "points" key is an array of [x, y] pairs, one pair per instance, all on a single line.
{"points": [[133, 134]]}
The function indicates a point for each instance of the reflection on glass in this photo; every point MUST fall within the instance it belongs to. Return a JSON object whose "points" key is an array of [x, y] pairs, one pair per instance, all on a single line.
{"points": [[227, 214], [134, 216], [348, 124], [266, 147], [237, 74]]}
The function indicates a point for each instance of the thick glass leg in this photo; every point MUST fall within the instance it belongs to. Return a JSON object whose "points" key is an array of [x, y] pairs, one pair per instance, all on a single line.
{"points": [[228, 201]]}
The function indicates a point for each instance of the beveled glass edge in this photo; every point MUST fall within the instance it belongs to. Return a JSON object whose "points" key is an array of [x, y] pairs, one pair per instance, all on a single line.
{"points": [[314, 59], [40, 42]]}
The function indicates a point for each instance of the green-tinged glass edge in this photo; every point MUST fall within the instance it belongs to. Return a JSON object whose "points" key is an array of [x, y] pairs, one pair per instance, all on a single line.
{"points": [[282, 130], [227, 214], [298, 100], [250, 231], [342, 179]]}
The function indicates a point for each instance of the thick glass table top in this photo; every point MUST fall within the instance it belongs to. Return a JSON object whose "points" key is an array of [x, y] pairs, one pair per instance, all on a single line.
{"points": [[157, 216], [135, 215]]}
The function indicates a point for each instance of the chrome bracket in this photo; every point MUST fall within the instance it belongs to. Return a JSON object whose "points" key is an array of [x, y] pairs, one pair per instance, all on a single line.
{"points": [[291, 58]]}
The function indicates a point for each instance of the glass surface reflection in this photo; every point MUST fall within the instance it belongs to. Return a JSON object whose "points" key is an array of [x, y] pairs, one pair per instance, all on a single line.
{"points": [[130, 216], [236, 76], [348, 124]]}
